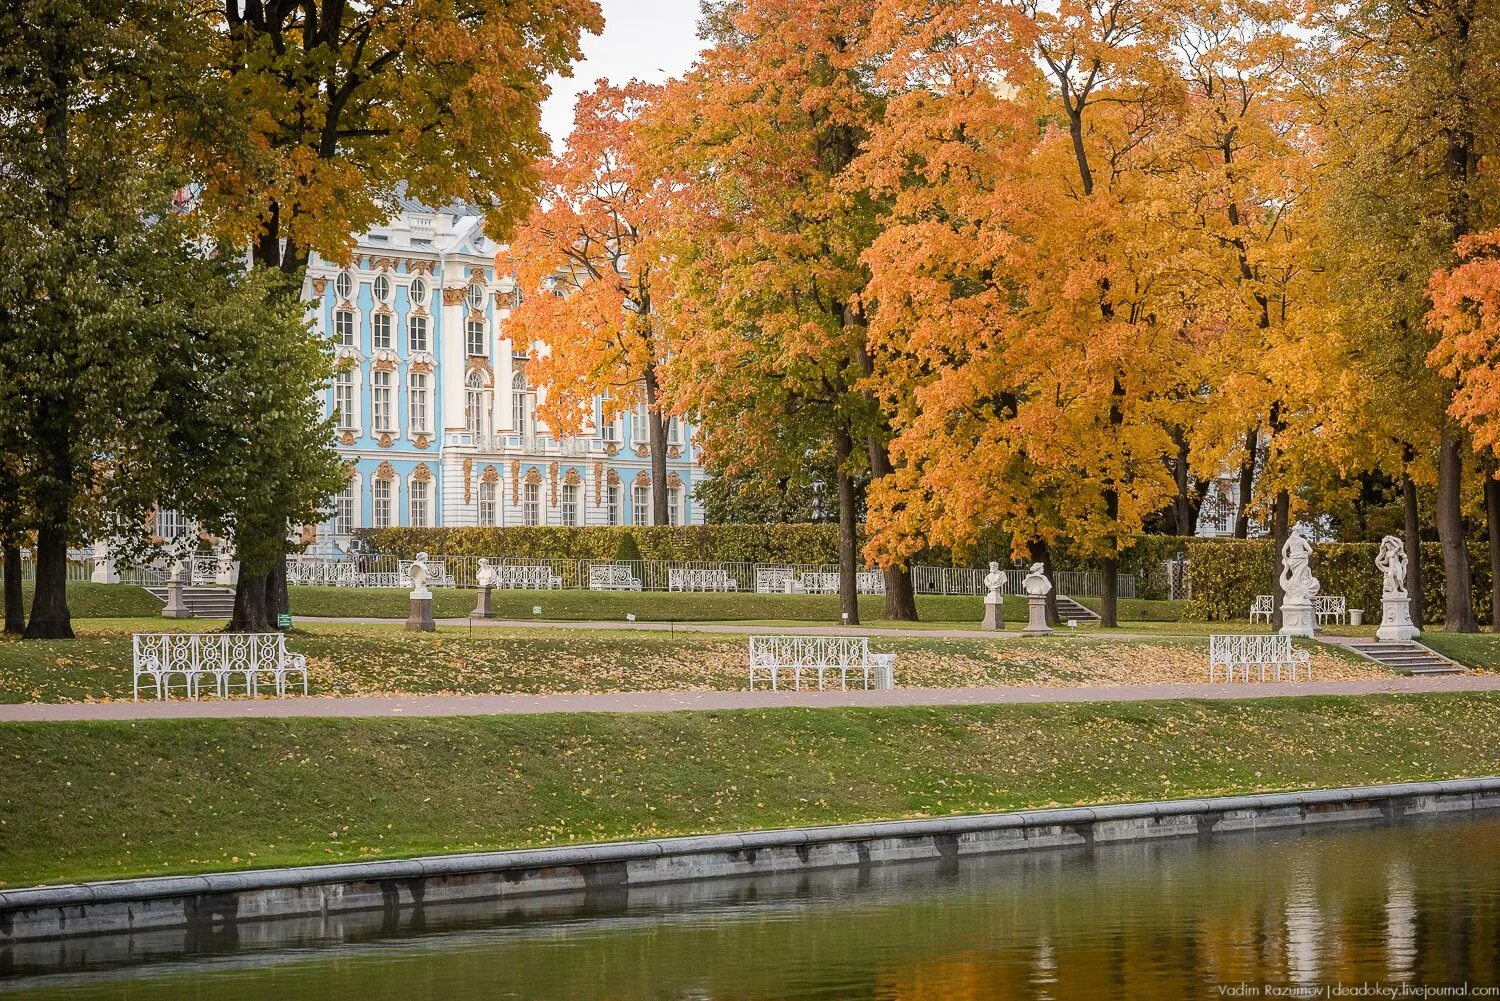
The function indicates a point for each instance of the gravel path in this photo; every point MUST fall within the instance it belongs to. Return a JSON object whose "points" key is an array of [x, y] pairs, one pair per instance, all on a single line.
{"points": [[487, 705]]}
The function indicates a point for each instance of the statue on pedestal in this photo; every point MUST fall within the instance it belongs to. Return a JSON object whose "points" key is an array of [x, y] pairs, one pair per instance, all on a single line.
{"points": [[994, 601], [1037, 587], [420, 619], [486, 578], [418, 573], [1298, 586], [1395, 604]]}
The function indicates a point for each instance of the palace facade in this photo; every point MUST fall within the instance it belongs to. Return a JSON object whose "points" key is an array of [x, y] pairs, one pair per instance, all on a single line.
{"points": [[433, 408]]}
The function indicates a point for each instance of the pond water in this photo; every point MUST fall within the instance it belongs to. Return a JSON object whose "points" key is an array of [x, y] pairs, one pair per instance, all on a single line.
{"points": [[1417, 903]]}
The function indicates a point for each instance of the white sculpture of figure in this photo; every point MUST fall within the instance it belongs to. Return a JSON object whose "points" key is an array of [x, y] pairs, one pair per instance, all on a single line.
{"points": [[1390, 560], [1395, 604], [1037, 587], [1036, 583], [417, 573], [994, 602], [1298, 586], [486, 577]]}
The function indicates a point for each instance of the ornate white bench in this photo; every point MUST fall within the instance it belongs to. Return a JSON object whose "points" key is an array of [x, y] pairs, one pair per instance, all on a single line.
{"points": [[770, 655], [1247, 651], [775, 580], [693, 579], [612, 578], [1331, 608], [437, 573], [1262, 608], [528, 577], [224, 659]]}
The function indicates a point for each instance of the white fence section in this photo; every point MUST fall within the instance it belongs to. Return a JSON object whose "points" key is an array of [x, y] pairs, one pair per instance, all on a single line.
{"points": [[819, 655], [226, 660]]}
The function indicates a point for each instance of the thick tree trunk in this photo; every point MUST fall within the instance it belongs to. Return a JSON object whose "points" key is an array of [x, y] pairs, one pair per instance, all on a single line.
{"points": [[1413, 532], [1184, 511], [278, 600], [657, 425], [50, 619], [900, 596], [1041, 553], [1457, 583], [1492, 523], [1247, 484], [251, 609], [1109, 570], [848, 531], [1281, 527], [15, 607]]}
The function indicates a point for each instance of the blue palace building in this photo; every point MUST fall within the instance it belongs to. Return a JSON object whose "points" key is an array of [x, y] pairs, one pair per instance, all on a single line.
{"points": [[434, 411]]}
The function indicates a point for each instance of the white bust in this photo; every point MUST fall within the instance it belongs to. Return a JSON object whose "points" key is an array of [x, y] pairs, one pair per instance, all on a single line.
{"points": [[417, 574], [485, 576], [994, 583], [1390, 560], [1298, 585], [1036, 584]]}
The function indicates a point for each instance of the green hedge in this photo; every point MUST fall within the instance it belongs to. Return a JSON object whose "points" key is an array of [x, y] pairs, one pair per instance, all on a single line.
{"points": [[1227, 574], [808, 543]]}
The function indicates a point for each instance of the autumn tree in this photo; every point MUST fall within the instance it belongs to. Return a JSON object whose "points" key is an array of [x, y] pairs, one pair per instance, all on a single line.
{"points": [[765, 245], [325, 109], [580, 255]]}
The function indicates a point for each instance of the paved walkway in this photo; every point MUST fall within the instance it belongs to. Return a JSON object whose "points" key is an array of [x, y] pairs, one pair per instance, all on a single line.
{"points": [[634, 702], [742, 628]]}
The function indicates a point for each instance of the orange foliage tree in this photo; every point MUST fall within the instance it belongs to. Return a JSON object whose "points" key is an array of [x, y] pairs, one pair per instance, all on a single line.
{"points": [[583, 248]]}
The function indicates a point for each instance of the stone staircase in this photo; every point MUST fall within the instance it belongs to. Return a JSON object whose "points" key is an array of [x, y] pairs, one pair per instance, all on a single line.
{"points": [[1069, 610], [204, 602], [1401, 656]]}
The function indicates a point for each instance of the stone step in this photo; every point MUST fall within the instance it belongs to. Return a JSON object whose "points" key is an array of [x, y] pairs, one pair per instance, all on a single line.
{"points": [[1071, 610], [1402, 656], [203, 602]]}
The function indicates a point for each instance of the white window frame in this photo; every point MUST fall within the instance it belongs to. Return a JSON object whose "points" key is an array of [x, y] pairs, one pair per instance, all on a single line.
{"points": [[413, 322], [419, 418], [474, 403], [476, 339], [532, 512], [640, 427], [522, 410], [345, 382], [348, 338], [343, 286], [612, 492], [674, 505], [344, 515], [380, 289], [383, 400], [416, 292], [475, 296], [570, 507], [419, 503], [383, 510], [383, 331], [488, 507], [640, 503]]}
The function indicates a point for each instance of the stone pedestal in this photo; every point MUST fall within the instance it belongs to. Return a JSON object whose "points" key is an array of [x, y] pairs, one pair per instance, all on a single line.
{"points": [[994, 612], [1036, 624], [1298, 620], [176, 605], [482, 609], [1395, 620], [420, 619]]}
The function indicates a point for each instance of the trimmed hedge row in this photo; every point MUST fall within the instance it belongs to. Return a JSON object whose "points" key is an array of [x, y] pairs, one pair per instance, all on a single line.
{"points": [[809, 543], [1227, 574]]}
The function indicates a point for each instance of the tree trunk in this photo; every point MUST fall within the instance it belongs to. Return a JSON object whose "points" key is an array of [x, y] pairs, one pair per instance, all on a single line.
{"points": [[50, 619], [843, 447], [251, 611], [1281, 527], [900, 596], [1413, 533], [1041, 553], [1457, 584], [1109, 569], [657, 425], [1184, 512], [1247, 484], [15, 607], [278, 600], [1492, 524]]}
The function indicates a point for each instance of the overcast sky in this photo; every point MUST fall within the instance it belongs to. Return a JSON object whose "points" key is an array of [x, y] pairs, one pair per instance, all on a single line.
{"points": [[647, 39]]}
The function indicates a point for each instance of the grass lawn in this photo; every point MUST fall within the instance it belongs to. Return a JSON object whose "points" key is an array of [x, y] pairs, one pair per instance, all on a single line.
{"points": [[85, 801], [1476, 650], [360, 659]]}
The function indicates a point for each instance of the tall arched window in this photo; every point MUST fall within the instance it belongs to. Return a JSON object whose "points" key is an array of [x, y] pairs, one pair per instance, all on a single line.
{"points": [[531, 504], [380, 331], [640, 503], [474, 402], [521, 416], [416, 333], [343, 398], [489, 503], [474, 337], [382, 501], [571, 503], [383, 400], [419, 404]]}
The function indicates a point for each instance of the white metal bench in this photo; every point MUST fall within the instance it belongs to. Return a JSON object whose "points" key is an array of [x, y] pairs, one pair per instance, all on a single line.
{"points": [[1262, 608], [523, 576], [693, 579], [1331, 608], [770, 655], [775, 580], [612, 578], [224, 659], [1256, 651]]}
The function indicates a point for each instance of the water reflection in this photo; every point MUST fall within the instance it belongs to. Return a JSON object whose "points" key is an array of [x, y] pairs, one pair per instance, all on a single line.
{"points": [[1172, 919]]}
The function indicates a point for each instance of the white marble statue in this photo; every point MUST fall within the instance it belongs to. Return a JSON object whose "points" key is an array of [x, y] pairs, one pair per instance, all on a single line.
{"points": [[1298, 585], [1036, 583], [994, 583], [417, 573], [486, 575], [1390, 560]]}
